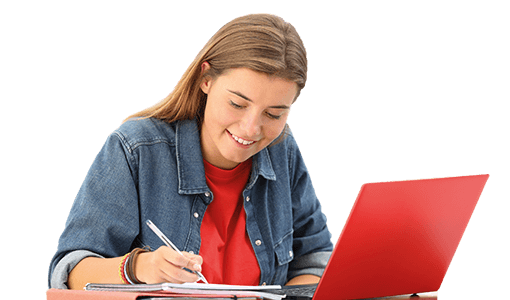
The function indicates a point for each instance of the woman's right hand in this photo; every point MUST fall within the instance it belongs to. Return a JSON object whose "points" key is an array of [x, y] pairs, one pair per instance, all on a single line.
{"points": [[166, 265]]}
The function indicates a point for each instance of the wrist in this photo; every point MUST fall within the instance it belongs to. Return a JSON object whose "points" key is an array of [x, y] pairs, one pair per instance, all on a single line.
{"points": [[127, 271], [140, 267], [122, 268]]}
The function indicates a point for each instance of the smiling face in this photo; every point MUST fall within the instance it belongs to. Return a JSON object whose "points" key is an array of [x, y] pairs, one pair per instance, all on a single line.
{"points": [[244, 113]]}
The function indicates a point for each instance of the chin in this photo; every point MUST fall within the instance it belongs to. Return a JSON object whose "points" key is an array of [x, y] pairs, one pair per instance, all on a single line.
{"points": [[237, 159]]}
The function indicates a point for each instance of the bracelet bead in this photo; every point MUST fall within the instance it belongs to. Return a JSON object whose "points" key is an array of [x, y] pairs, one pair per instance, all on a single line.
{"points": [[122, 268]]}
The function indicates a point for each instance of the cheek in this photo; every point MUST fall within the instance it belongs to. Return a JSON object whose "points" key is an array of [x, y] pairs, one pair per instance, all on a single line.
{"points": [[226, 118], [274, 130], [218, 115]]}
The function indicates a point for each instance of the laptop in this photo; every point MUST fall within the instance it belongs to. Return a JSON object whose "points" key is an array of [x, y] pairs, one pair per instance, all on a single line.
{"points": [[399, 238]]}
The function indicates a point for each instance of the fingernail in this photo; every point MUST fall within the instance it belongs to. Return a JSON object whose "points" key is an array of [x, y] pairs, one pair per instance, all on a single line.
{"points": [[197, 267]]}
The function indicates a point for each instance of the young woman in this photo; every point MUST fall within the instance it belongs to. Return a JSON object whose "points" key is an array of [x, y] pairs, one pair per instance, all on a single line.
{"points": [[215, 168]]}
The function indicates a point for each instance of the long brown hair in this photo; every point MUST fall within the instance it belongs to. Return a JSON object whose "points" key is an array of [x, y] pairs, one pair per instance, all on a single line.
{"points": [[260, 42]]}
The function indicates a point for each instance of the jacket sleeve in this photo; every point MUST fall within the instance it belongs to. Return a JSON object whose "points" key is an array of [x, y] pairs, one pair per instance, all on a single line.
{"points": [[104, 218], [311, 239]]}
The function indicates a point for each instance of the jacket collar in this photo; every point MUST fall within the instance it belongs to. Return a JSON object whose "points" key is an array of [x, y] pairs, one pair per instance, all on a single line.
{"points": [[190, 166]]}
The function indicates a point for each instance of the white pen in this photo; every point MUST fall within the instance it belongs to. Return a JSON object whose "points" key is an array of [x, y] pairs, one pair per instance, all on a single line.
{"points": [[171, 245]]}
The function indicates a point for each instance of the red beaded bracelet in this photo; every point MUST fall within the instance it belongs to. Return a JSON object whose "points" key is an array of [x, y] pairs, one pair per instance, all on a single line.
{"points": [[121, 268]]}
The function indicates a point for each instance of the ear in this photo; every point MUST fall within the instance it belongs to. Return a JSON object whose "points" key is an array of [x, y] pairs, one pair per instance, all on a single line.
{"points": [[206, 80]]}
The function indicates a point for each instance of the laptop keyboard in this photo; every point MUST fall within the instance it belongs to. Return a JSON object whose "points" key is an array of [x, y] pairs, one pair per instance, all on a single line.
{"points": [[297, 292]]}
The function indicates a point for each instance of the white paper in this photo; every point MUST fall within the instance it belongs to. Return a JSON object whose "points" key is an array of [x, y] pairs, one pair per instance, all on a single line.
{"points": [[229, 287]]}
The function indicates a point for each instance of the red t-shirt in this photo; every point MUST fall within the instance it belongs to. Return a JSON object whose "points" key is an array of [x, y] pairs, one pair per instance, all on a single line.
{"points": [[226, 248]]}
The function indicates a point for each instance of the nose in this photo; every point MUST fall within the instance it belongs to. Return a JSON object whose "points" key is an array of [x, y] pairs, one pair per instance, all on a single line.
{"points": [[251, 125]]}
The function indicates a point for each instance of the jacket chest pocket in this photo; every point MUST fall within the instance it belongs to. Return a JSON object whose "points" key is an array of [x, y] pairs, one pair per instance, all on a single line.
{"points": [[283, 256]]}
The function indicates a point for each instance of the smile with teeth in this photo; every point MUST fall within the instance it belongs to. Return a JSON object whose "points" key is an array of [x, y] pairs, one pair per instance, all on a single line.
{"points": [[241, 141]]}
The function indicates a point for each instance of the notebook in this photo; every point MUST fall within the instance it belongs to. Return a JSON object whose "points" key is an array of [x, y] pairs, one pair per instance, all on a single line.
{"points": [[192, 290]]}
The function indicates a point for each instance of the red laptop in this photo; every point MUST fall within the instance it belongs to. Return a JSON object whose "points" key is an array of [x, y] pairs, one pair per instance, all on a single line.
{"points": [[400, 237]]}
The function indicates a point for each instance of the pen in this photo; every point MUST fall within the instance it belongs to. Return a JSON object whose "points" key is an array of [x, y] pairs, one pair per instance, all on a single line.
{"points": [[171, 245]]}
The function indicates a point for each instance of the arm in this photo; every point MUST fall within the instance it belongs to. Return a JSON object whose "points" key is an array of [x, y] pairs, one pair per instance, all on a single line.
{"points": [[96, 270], [104, 223], [304, 279], [311, 239], [162, 265], [103, 220]]}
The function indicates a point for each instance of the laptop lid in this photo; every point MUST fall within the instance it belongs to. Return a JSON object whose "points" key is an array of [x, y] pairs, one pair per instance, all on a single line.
{"points": [[400, 237]]}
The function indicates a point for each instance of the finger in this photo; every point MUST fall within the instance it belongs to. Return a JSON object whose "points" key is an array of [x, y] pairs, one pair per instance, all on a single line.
{"points": [[171, 255], [195, 262], [176, 258], [176, 274], [168, 267], [186, 260], [195, 257]]}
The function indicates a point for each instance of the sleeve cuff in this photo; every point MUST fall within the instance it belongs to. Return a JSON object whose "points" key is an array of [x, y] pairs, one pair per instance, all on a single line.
{"points": [[312, 264], [65, 266]]}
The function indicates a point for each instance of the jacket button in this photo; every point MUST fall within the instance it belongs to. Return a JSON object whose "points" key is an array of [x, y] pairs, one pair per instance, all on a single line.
{"points": [[290, 253], [258, 242], [195, 215], [248, 198], [207, 194]]}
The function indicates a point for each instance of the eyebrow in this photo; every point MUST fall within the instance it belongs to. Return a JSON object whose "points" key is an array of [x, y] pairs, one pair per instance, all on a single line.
{"points": [[239, 94]]}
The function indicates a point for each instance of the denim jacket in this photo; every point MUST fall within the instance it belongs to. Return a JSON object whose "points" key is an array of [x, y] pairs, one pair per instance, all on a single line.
{"points": [[151, 169]]}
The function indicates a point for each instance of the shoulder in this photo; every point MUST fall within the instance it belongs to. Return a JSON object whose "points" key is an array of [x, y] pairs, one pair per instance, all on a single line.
{"points": [[145, 131]]}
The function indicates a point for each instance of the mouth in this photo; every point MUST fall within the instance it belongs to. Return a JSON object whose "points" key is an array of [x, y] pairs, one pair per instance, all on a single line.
{"points": [[240, 140]]}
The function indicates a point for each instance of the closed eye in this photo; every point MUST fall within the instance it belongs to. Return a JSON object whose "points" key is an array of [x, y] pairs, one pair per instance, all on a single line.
{"points": [[268, 114], [275, 117], [235, 105]]}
